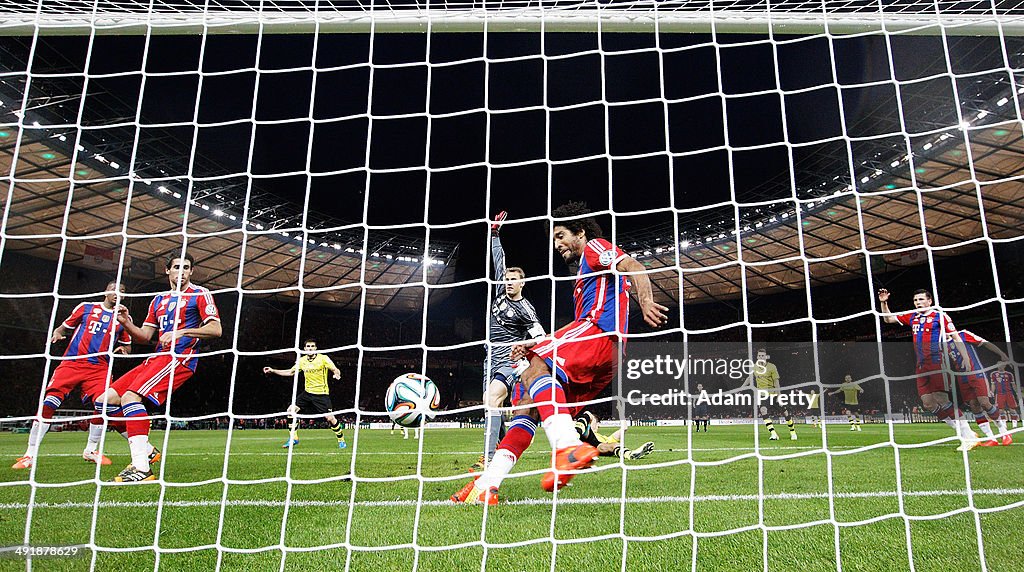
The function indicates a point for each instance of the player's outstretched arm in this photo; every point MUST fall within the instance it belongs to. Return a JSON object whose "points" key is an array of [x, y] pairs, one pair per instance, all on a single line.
{"points": [[143, 335], [281, 372], [207, 331], [653, 312], [1004, 359], [335, 372], [59, 333], [883, 302]]}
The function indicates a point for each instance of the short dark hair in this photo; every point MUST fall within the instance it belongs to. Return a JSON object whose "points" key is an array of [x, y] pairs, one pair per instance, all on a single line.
{"points": [[177, 255], [761, 351], [925, 292], [571, 216], [310, 341]]}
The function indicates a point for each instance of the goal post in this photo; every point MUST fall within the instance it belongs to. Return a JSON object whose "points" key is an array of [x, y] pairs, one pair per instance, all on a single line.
{"points": [[339, 183]]}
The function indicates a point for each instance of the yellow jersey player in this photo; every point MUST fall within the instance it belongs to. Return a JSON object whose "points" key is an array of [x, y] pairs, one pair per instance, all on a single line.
{"points": [[766, 381], [608, 445], [851, 401], [315, 395]]}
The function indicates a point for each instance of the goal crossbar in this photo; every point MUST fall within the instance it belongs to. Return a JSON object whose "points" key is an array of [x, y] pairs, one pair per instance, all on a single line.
{"points": [[530, 19]]}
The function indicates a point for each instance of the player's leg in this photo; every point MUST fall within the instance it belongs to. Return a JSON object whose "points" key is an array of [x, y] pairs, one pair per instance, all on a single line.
{"points": [[769, 423], [495, 393], [790, 424], [611, 445], [66, 376], [932, 391], [851, 418], [484, 489], [336, 426], [94, 389], [155, 379], [293, 426], [546, 383]]}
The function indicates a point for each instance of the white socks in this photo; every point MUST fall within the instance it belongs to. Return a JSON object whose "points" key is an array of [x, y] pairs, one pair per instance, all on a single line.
{"points": [[140, 448], [499, 468], [95, 432], [561, 431], [35, 437]]}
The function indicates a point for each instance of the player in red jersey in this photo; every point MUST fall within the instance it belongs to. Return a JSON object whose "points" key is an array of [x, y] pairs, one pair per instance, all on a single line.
{"points": [[1005, 390], [973, 387], [96, 332], [183, 317], [578, 361], [933, 332]]}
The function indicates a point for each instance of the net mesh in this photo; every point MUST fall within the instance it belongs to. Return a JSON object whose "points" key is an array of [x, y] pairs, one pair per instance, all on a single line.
{"points": [[770, 182]]}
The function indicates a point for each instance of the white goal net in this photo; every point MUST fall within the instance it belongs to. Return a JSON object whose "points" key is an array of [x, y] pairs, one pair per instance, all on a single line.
{"points": [[334, 171]]}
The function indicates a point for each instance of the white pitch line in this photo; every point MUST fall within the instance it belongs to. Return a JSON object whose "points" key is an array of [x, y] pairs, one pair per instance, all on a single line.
{"points": [[220, 454], [523, 502]]}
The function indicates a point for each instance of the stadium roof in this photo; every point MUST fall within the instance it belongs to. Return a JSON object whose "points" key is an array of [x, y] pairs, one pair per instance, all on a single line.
{"points": [[855, 193]]}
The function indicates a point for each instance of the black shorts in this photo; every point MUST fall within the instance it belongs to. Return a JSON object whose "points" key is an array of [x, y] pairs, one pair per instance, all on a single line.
{"points": [[313, 403], [852, 408]]}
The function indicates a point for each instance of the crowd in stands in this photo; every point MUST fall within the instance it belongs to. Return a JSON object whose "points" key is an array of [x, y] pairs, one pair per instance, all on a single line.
{"points": [[267, 332]]}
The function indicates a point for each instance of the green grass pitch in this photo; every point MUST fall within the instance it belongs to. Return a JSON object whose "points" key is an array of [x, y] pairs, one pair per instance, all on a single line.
{"points": [[393, 521]]}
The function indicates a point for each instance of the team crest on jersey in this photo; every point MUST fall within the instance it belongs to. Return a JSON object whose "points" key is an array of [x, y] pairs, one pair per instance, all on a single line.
{"points": [[606, 258], [510, 313], [211, 309], [105, 318]]}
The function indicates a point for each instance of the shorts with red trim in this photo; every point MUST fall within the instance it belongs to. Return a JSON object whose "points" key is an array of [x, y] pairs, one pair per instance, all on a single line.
{"points": [[930, 379], [585, 366], [972, 386], [1006, 401], [152, 379], [91, 377]]}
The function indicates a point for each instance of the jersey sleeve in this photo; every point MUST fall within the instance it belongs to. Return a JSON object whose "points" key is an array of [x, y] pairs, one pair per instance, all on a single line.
{"points": [[947, 325], [75, 318], [151, 316], [971, 338], [208, 308], [905, 318], [327, 362], [535, 330], [123, 337], [498, 257], [602, 255]]}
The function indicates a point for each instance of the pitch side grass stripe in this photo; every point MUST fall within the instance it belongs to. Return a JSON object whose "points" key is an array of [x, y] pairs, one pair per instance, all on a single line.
{"points": [[522, 502]]}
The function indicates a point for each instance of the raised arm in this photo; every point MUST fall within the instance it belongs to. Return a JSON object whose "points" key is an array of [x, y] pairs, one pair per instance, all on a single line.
{"points": [[654, 313], [282, 372], [883, 302], [498, 254], [143, 335]]}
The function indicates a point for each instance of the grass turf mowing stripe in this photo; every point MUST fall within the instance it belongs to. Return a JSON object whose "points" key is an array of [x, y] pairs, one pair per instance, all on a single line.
{"points": [[523, 502]]}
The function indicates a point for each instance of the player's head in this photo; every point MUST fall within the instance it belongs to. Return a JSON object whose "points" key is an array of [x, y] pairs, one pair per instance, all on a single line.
{"points": [[572, 229], [309, 345], [922, 299], [848, 378], [762, 354], [700, 388], [514, 276], [113, 293], [179, 268]]}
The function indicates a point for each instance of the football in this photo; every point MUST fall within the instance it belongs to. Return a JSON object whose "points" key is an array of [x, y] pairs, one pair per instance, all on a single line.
{"points": [[411, 398]]}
